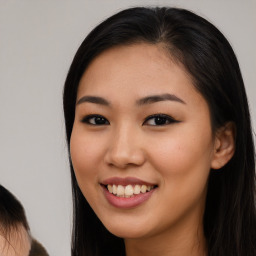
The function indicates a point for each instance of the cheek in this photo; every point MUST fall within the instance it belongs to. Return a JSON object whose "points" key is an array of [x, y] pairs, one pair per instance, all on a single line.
{"points": [[183, 155], [183, 162], [85, 156], [86, 153]]}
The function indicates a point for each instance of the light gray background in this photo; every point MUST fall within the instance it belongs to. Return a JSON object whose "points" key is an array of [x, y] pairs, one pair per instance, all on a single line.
{"points": [[38, 39]]}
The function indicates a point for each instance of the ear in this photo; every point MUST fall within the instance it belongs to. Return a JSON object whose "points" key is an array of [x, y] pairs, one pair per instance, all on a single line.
{"points": [[224, 146]]}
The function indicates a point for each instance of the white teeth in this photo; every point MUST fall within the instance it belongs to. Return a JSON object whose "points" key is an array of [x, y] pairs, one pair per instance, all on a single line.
{"points": [[137, 189], [120, 190], [110, 188], [114, 189], [143, 189], [129, 190]]}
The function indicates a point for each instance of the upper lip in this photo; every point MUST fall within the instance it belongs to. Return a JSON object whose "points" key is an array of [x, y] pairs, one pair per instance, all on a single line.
{"points": [[125, 181]]}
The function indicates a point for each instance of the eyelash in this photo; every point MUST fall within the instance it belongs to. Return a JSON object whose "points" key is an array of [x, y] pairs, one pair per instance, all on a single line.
{"points": [[162, 118], [86, 120]]}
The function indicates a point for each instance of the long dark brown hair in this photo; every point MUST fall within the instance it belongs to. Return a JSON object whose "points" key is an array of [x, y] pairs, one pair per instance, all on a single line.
{"points": [[12, 213], [229, 219]]}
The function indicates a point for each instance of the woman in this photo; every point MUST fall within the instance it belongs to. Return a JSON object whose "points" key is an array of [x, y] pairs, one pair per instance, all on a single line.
{"points": [[160, 140]]}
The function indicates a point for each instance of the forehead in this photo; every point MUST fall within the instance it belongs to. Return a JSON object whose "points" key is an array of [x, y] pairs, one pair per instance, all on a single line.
{"points": [[136, 70]]}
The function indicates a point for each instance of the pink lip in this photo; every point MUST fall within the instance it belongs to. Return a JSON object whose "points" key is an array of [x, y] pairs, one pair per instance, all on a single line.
{"points": [[125, 181], [123, 202], [126, 203]]}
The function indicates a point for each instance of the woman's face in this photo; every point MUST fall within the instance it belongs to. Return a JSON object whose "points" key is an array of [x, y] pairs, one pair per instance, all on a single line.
{"points": [[142, 144]]}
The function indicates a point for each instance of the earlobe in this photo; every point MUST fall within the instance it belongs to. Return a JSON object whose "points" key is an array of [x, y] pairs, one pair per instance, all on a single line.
{"points": [[224, 146]]}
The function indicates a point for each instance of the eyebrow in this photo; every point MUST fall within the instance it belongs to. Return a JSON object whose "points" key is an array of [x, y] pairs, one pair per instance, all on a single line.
{"points": [[156, 98], [93, 99], [146, 100]]}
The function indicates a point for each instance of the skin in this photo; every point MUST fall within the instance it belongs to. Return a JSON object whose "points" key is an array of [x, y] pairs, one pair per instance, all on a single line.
{"points": [[175, 156], [18, 242]]}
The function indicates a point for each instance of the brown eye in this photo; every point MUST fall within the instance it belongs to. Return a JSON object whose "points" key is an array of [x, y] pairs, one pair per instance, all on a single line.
{"points": [[95, 120], [159, 120]]}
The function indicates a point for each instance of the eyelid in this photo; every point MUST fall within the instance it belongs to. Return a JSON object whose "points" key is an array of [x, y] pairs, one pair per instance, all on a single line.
{"points": [[169, 118], [86, 119]]}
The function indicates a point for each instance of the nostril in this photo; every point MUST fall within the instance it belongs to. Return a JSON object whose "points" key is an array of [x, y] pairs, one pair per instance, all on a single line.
{"points": [[124, 158]]}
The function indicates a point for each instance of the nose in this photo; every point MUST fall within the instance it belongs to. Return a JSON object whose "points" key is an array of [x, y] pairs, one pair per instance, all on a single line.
{"points": [[125, 149]]}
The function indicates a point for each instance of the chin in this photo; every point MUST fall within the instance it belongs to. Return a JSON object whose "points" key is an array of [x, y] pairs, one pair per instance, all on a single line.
{"points": [[127, 230]]}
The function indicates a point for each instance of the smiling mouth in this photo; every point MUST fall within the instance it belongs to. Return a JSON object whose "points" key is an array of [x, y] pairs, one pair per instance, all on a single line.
{"points": [[128, 190]]}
